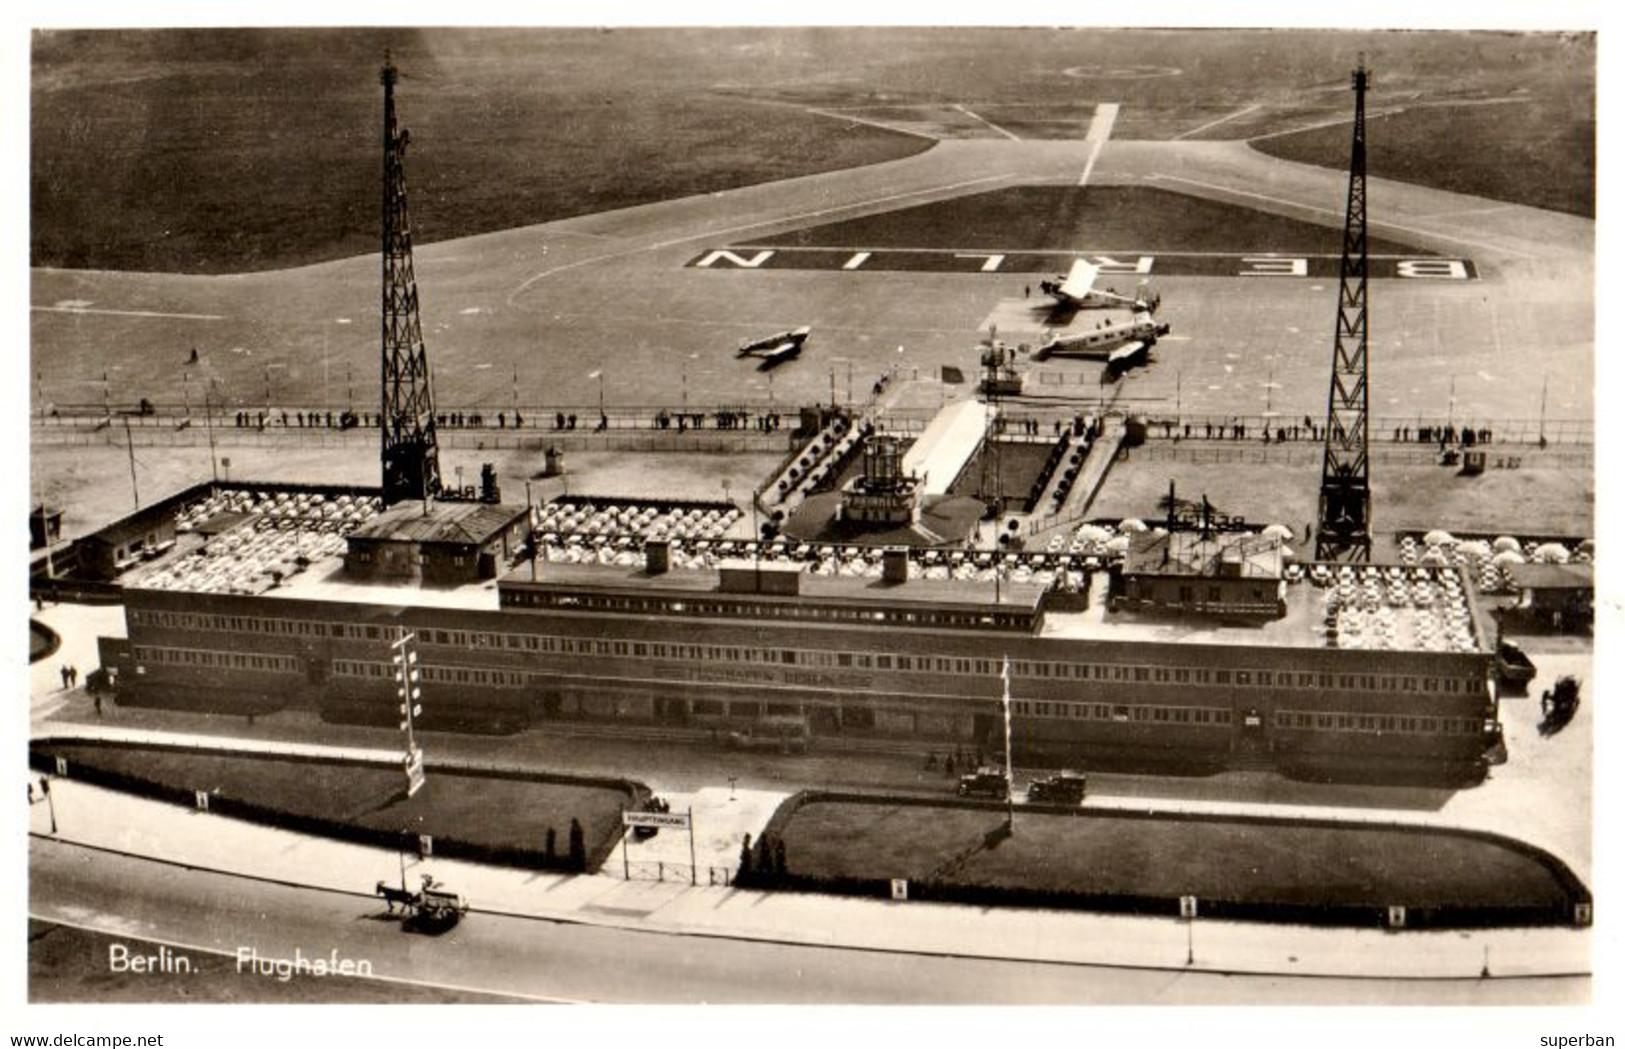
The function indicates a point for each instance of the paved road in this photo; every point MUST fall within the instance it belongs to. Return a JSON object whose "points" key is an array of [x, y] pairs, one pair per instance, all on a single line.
{"points": [[540, 959]]}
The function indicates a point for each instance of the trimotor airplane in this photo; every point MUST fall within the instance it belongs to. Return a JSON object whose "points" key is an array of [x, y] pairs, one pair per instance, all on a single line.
{"points": [[1121, 344], [1077, 289], [772, 347]]}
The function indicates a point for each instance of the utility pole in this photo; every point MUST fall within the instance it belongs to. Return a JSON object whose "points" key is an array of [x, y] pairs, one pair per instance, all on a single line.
{"points": [[1344, 533], [1543, 380], [129, 447], [208, 424]]}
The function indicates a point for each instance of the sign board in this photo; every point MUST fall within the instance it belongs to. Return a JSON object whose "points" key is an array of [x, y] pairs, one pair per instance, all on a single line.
{"points": [[1187, 907], [899, 888], [202, 800], [61, 765], [654, 819], [425, 845], [1396, 917]]}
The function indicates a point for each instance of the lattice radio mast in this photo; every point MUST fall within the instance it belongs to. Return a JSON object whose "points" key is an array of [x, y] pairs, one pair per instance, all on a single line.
{"points": [[411, 457], [1345, 476]]}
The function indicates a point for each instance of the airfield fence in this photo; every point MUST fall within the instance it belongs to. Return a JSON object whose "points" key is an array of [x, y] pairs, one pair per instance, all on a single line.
{"points": [[553, 422]]}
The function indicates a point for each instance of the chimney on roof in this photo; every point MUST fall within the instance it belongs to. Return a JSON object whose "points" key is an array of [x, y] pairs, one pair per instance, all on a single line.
{"points": [[894, 565], [657, 556]]}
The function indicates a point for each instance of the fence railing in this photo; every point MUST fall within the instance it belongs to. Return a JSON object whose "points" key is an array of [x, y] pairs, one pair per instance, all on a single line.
{"points": [[765, 418]]}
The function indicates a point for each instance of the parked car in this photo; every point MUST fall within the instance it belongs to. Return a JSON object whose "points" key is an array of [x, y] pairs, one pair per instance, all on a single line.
{"points": [[1558, 705], [786, 735], [985, 782], [1512, 666], [1059, 788]]}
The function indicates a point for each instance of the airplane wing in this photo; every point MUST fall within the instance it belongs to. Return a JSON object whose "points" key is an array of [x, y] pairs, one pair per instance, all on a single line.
{"points": [[1080, 281], [1125, 353]]}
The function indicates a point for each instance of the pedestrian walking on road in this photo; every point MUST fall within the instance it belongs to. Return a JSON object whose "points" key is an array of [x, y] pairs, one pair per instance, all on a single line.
{"points": [[98, 700], [65, 684]]}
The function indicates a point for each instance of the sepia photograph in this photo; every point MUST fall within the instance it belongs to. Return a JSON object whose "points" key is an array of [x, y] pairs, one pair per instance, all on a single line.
{"points": [[809, 515]]}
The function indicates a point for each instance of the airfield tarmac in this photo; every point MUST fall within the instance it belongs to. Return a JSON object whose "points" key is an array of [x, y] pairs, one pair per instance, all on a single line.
{"points": [[549, 307]]}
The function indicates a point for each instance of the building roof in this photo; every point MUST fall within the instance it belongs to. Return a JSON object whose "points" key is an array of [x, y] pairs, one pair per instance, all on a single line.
{"points": [[1551, 577], [459, 524], [940, 593], [1421, 623], [1198, 554]]}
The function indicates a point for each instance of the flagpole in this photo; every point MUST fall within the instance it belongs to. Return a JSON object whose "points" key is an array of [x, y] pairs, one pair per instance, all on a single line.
{"points": [[1009, 769]]}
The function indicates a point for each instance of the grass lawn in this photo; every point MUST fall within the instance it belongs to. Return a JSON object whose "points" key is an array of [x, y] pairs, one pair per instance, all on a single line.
{"points": [[227, 151], [1093, 218], [1216, 859], [1013, 471], [1544, 155], [231, 151], [483, 811]]}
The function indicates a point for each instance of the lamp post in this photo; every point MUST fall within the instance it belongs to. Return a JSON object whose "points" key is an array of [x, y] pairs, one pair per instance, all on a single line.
{"points": [[208, 424]]}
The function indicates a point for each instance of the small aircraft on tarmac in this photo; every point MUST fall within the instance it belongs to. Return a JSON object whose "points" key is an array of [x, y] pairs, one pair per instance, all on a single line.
{"points": [[1121, 344], [1077, 290], [774, 350]]}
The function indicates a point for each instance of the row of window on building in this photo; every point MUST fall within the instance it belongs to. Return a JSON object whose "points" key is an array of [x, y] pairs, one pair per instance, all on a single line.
{"points": [[746, 609], [203, 657], [1317, 721], [1407, 724], [439, 674], [464, 640]]}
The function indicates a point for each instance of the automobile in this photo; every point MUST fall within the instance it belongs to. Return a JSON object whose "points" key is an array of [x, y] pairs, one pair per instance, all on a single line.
{"points": [[1293, 573], [1059, 788], [1558, 705], [787, 735], [986, 782], [1320, 575], [1512, 666]]}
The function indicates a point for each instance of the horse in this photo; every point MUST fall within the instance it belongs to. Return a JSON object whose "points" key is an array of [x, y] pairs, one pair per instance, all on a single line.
{"points": [[392, 896]]}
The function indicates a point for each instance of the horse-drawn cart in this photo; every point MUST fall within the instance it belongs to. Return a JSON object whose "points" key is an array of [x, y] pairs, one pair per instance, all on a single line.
{"points": [[430, 909]]}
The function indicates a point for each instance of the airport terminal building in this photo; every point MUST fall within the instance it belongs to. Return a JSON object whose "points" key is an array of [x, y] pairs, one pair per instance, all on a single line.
{"points": [[1383, 673]]}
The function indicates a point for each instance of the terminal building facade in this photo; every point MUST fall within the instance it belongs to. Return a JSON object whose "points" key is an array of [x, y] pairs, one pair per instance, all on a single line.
{"points": [[1119, 683]]}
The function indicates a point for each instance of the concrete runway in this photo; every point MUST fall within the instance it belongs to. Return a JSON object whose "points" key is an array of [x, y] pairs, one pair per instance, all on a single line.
{"points": [[611, 292]]}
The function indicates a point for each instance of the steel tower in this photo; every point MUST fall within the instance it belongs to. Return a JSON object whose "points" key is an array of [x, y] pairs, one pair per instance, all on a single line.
{"points": [[1345, 477], [411, 458]]}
